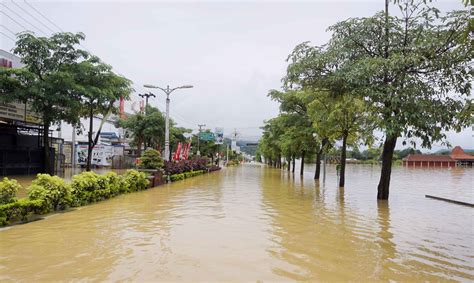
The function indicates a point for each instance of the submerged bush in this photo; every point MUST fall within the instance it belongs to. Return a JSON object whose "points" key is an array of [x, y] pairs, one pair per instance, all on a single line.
{"points": [[52, 190], [89, 187], [8, 189], [115, 182], [134, 181], [182, 176], [20, 210], [151, 159]]}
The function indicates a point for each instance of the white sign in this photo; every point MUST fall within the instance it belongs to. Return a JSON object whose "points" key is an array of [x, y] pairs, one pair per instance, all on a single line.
{"points": [[219, 134], [101, 155]]}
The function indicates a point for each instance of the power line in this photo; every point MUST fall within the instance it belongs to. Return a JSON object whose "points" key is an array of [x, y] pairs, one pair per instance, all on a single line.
{"points": [[41, 14], [7, 36], [25, 20], [28, 13], [8, 29], [24, 28]]}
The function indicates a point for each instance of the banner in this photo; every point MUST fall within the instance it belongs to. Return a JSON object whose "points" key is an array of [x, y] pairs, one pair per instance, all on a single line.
{"points": [[219, 133], [101, 155], [177, 153]]}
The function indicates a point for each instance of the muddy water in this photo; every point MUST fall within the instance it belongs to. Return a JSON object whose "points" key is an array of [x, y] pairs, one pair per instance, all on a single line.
{"points": [[253, 223]]}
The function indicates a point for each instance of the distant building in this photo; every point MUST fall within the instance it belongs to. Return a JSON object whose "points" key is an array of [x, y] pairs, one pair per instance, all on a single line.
{"points": [[457, 158]]}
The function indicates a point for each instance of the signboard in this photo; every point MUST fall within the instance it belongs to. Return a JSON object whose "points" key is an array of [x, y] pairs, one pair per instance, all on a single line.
{"points": [[19, 112], [206, 136], [13, 111], [101, 155], [219, 133], [67, 151]]}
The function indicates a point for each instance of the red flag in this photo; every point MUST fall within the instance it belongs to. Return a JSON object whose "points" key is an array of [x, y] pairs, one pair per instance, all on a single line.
{"points": [[177, 152], [185, 154]]}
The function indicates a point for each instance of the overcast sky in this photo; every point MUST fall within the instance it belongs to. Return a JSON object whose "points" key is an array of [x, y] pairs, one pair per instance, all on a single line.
{"points": [[232, 52]]}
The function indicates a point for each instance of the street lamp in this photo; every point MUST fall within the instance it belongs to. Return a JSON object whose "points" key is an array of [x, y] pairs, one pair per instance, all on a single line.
{"points": [[168, 91]]}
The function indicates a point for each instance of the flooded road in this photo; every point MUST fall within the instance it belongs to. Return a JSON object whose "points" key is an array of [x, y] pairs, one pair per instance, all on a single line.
{"points": [[254, 223]]}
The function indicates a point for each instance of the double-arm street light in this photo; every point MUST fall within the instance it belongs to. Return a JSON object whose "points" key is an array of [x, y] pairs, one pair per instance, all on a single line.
{"points": [[168, 91]]}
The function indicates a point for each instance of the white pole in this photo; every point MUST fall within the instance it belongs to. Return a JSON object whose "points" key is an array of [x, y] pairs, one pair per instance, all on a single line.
{"points": [[167, 130], [73, 149]]}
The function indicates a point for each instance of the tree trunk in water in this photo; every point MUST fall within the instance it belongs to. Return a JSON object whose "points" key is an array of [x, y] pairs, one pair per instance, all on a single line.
{"points": [[342, 178], [302, 163], [288, 159], [317, 172], [387, 156], [47, 156], [90, 146], [293, 169]]}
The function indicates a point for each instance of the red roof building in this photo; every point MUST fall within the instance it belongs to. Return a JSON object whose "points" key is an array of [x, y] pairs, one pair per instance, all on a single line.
{"points": [[457, 158]]}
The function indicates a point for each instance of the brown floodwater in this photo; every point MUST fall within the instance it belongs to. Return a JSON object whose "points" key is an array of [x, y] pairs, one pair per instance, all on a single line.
{"points": [[253, 223]]}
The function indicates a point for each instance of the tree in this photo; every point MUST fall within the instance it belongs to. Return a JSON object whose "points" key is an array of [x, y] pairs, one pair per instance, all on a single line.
{"points": [[100, 89], [297, 122], [148, 129], [46, 82], [413, 70]]}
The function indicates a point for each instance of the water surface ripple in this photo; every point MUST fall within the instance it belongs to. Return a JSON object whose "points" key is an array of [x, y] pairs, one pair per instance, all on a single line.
{"points": [[254, 223]]}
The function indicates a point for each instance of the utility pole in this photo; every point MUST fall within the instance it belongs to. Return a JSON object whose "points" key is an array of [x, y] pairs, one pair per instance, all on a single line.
{"points": [[168, 91], [146, 95], [199, 137]]}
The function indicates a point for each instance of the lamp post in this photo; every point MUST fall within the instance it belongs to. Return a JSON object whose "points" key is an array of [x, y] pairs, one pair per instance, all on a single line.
{"points": [[168, 91]]}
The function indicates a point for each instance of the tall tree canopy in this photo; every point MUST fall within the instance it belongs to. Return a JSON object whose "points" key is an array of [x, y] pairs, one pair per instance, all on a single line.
{"points": [[47, 80]]}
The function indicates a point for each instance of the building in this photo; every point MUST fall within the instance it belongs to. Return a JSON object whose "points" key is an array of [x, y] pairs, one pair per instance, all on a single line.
{"points": [[457, 158]]}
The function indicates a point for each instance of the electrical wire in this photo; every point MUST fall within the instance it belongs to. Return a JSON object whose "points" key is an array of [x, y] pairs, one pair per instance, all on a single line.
{"points": [[29, 14], [7, 36], [21, 17], [41, 14]]}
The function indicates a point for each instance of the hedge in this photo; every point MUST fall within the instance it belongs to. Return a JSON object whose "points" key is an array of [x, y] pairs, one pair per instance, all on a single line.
{"points": [[182, 176], [50, 193]]}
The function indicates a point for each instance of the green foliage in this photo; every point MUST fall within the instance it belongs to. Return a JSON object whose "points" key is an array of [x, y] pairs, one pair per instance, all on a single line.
{"points": [[148, 128], [20, 210], [99, 89], [151, 159], [89, 187], [47, 80], [52, 190], [182, 176], [134, 180], [115, 182], [8, 189]]}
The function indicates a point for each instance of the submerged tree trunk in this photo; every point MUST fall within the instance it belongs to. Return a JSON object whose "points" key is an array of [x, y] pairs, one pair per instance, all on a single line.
{"points": [[343, 160], [288, 159], [302, 163], [46, 152], [293, 169], [387, 157], [317, 172]]}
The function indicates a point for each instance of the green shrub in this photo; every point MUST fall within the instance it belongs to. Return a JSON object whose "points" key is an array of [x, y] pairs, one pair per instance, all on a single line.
{"points": [[20, 210], [8, 189], [134, 181], [89, 187], [177, 177], [115, 183], [52, 190], [151, 159]]}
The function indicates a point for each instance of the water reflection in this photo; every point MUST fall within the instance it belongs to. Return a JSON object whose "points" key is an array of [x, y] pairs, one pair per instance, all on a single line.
{"points": [[254, 223]]}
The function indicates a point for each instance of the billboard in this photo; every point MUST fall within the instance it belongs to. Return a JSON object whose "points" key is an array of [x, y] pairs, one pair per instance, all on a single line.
{"points": [[19, 112], [219, 134], [101, 155], [207, 136]]}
